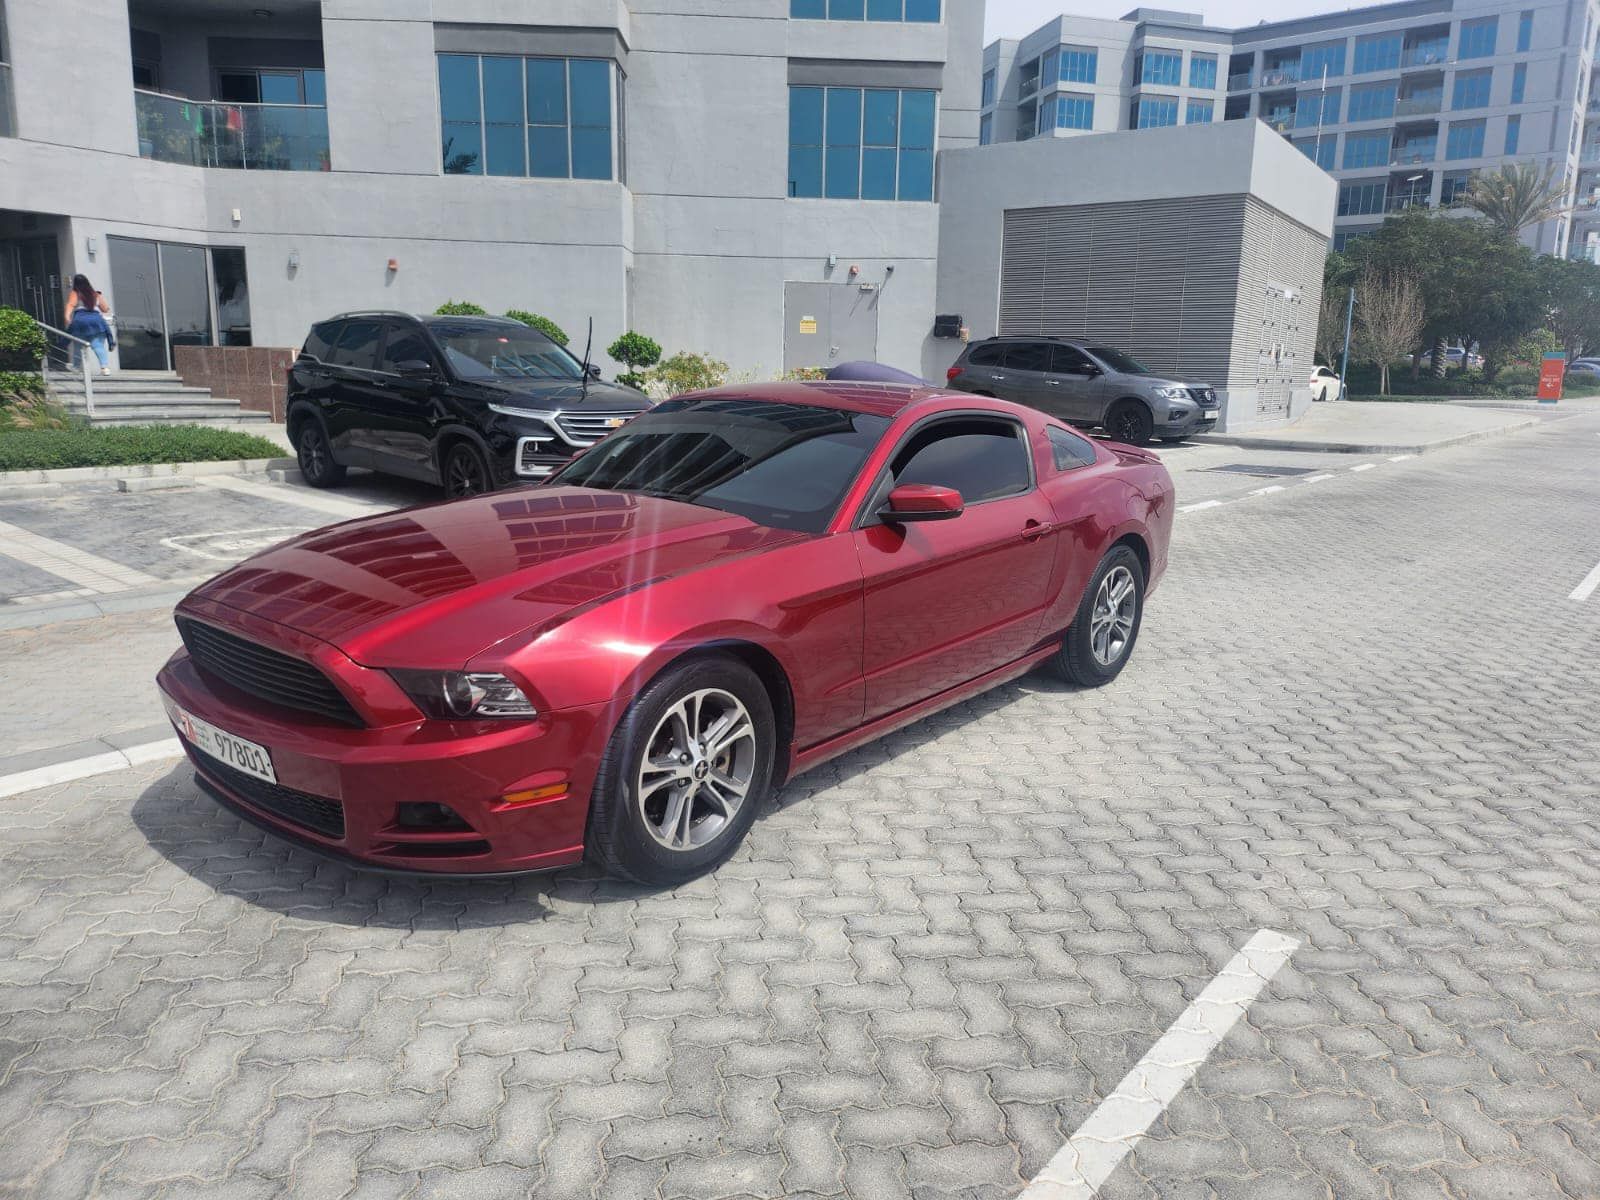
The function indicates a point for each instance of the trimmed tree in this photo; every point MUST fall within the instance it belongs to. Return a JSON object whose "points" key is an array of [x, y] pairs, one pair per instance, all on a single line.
{"points": [[460, 308], [544, 325], [635, 351], [1389, 316]]}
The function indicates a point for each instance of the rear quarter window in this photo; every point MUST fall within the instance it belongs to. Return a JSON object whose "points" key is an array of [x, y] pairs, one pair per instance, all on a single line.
{"points": [[1069, 450], [321, 339], [985, 356]]}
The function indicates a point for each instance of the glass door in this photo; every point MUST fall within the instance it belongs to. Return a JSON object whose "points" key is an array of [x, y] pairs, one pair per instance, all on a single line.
{"points": [[136, 296], [186, 294]]}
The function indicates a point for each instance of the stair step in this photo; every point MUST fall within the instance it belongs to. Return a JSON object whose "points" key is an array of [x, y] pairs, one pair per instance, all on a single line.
{"points": [[157, 417], [114, 386], [147, 400]]}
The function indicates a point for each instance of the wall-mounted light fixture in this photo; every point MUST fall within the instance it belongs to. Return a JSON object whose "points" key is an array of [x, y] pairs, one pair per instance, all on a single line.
{"points": [[833, 261], [854, 270], [90, 246], [394, 265], [237, 216], [294, 260]]}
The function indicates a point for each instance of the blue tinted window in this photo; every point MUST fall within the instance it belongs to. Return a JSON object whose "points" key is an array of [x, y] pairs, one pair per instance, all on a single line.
{"points": [[1465, 140], [1378, 52], [846, 10], [875, 143], [1372, 103], [1366, 149], [1153, 112], [460, 114], [917, 119], [842, 161], [884, 10], [1478, 38], [1315, 59], [805, 141], [1525, 31], [1050, 68], [1203, 71], [922, 10], [880, 124], [1320, 150], [1363, 199], [1513, 133], [1316, 108], [814, 10], [871, 10], [988, 88], [1200, 112], [1079, 65], [316, 87], [1075, 112], [1472, 90], [545, 117], [1519, 83], [985, 130], [1162, 66], [916, 174]]}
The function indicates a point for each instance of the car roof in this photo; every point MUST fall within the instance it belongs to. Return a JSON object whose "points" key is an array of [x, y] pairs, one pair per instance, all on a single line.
{"points": [[423, 318], [879, 399]]}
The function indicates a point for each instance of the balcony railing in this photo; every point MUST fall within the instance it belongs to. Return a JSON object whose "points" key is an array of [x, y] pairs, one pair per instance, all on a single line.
{"points": [[1402, 203], [1281, 74], [249, 137], [8, 118], [1434, 54], [1242, 82], [1405, 156], [1281, 122], [1419, 106]]}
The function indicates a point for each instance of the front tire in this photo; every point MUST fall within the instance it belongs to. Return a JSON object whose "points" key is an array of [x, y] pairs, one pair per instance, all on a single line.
{"points": [[315, 456], [466, 473], [1130, 421], [686, 771], [1101, 639]]}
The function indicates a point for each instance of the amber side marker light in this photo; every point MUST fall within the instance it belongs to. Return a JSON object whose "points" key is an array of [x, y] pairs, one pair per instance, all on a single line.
{"points": [[538, 795]]}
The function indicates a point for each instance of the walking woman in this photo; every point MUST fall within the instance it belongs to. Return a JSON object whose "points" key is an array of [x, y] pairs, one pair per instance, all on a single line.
{"points": [[86, 309]]}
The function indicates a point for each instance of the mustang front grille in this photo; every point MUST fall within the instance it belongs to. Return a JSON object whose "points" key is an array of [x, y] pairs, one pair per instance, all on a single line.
{"points": [[265, 673], [298, 808]]}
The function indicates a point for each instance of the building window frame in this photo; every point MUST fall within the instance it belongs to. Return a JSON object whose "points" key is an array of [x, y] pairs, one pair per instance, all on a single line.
{"points": [[1151, 112], [1471, 89], [1203, 71], [851, 142], [1159, 65], [1465, 139], [537, 144], [904, 12], [1377, 52], [1513, 133], [1371, 149], [1199, 111], [1079, 64], [1074, 110], [1477, 37]]}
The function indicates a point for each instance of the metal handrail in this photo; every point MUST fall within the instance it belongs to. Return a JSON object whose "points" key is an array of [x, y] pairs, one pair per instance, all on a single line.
{"points": [[83, 361]]}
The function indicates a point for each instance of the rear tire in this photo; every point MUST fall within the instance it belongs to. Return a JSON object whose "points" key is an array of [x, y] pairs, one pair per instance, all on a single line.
{"points": [[1103, 633], [315, 456], [660, 811], [1130, 421]]}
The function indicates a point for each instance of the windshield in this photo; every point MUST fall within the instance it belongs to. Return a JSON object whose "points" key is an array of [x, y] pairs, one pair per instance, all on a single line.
{"points": [[492, 350], [1118, 361], [783, 465]]}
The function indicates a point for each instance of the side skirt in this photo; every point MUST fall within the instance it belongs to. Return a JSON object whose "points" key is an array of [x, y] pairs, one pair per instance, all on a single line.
{"points": [[816, 755]]}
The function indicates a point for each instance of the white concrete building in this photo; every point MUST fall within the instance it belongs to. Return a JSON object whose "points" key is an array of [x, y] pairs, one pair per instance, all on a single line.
{"points": [[1402, 103], [752, 179]]}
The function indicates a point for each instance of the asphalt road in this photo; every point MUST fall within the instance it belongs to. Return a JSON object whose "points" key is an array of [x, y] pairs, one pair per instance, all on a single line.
{"points": [[1364, 715]]}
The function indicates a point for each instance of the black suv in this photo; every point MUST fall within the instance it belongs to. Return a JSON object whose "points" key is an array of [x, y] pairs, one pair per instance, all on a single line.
{"points": [[471, 403]]}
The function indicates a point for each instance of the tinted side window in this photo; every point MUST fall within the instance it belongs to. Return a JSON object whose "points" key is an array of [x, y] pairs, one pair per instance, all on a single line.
{"points": [[981, 459], [1028, 356], [985, 356], [1069, 360], [321, 339], [405, 344], [1070, 450], [358, 345]]}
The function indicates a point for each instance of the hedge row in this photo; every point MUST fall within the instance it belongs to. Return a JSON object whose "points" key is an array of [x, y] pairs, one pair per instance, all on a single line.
{"points": [[128, 445]]}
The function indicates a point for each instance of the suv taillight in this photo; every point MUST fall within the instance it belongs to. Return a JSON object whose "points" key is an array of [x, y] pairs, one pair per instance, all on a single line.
{"points": [[952, 372]]}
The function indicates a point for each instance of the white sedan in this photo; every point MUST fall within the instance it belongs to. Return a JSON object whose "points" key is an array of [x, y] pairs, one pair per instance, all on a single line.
{"points": [[1325, 385]]}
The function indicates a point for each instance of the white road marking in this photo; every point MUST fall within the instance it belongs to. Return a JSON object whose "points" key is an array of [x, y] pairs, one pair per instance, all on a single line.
{"points": [[286, 494], [1363, 466], [1183, 508], [1122, 1118], [1586, 589], [233, 544], [68, 562], [1315, 478], [83, 768], [1267, 491], [1402, 457]]}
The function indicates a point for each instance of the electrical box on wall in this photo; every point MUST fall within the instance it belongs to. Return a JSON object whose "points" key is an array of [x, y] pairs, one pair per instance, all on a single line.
{"points": [[947, 325]]}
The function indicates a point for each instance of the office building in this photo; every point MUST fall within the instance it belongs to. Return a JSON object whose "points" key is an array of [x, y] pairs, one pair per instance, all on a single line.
{"points": [[754, 184], [1402, 103]]}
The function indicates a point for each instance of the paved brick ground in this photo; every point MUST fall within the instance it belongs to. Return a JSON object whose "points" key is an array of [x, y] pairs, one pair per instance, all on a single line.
{"points": [[1363, 714]]}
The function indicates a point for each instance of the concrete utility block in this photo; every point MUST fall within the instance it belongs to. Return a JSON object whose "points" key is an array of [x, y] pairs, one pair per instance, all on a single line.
{"points": [[154, 483], [290, 475]]}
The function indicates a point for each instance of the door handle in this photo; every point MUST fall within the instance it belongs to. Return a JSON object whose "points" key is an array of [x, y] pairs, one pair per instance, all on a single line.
{"points": [[1053, 382], [1034, 530]]}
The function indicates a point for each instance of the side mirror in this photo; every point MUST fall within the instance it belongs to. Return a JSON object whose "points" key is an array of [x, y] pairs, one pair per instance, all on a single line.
{"points": [[415, 368], [594, 371], [921, 502]]}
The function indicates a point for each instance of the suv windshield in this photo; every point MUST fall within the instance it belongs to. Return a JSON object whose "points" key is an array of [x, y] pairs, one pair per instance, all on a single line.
{"points": [[493, 350], [783, 465], [1118, 361]]}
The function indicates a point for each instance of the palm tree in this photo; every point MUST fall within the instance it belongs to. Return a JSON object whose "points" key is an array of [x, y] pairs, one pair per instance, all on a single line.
{"points": [[1516, 196]]}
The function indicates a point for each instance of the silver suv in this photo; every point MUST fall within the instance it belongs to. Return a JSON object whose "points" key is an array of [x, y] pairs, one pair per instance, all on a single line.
{"points": [[1086, 385]]}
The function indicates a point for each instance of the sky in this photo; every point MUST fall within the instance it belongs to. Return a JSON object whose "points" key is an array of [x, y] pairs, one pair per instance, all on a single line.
{"points": [[1014, 18]]}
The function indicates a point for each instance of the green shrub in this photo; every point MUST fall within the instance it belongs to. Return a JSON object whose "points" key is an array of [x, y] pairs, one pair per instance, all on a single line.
{"points": [[804, 374], [544, 325], [460, 308], [634, 350], [22, 343], [127, 445], [686, 371]]}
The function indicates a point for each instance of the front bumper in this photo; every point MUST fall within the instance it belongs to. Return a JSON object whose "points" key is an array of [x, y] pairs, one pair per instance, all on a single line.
{"points": [[340, 789], [1189, 422]]}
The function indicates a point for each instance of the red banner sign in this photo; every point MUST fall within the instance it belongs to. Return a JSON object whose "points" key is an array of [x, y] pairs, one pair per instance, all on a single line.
{"points": [[1551, 372]]}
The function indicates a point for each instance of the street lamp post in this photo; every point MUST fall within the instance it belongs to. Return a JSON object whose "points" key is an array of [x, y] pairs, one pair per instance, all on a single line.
{"points": [[1344, 363]]}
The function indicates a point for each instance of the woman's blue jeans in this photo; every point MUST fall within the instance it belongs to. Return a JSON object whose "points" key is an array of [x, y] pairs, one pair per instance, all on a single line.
{"points": [[98, 345]]}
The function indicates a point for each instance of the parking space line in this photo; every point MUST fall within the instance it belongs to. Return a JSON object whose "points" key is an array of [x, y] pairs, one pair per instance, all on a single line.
{"points": [[1402, 457], [1315, 478], [1363, 466], [1267, 491], [83, 768], [1187, 508], [285, 494], [1586, 589], [1122, 1118], [68, 562]]}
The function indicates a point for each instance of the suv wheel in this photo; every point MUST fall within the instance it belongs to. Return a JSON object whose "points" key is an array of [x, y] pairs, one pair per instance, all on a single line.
{"points": [[465, 472], [1130, 421], [317, 465]]}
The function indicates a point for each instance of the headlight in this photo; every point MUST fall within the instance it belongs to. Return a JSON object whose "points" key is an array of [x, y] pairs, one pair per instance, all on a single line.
{"points": [[524, 413], [464, 695], [1174, 393]]}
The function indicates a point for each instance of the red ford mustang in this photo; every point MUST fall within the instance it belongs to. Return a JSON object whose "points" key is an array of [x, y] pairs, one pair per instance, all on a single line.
{"points": [[732, 588]]}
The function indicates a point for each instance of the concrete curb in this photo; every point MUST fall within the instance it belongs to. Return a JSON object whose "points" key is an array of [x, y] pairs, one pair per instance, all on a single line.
{"points": [[1310, 445], [90, 608], [237, 466]]}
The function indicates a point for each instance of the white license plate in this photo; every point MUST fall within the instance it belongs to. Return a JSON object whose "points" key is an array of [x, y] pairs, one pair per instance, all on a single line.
{"points": [[225, 747]]}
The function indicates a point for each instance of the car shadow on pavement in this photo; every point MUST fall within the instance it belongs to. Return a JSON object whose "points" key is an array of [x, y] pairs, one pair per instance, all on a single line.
{"points": [[231, 856]]}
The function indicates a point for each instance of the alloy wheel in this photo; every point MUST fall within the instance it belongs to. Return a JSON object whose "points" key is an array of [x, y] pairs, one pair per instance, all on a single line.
{"points": [[313, 453], [465, 476], [699, 764], [1111, 623], [1129, 426]]}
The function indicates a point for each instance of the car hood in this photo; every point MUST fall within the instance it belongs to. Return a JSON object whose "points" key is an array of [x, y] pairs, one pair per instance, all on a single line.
{"points": [[433, 586], [547, 395], [1156, 381]]}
